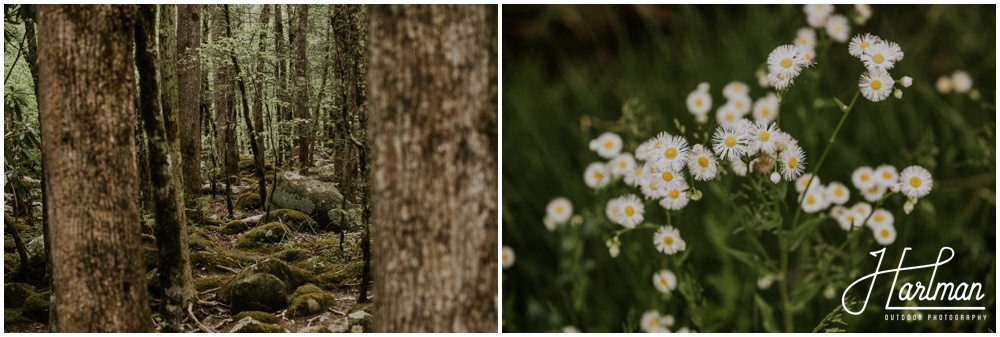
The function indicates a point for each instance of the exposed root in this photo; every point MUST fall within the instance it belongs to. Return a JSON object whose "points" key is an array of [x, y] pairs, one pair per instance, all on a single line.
{"points": [[196, 321]]}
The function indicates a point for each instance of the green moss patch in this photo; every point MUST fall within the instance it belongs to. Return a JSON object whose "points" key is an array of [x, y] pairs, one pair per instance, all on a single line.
{"points": [[247, 201], [291, 255], [294, 219], [14, 294], [250, 325], [207, 260], [235, 227], [211, 282], [13, 320], [259, 316], [36, 307], [306, 289], [262, 236]]}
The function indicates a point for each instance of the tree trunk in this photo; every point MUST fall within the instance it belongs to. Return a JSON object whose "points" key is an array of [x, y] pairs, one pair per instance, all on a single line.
{"points": [[188, 109], [86, 108], [29, 31], [432, 132], [256, 147], [10, 227], [320, 92], [224, 119], [258, 103], [168, 93], [301, 102], [173, 262], [281, 110]]}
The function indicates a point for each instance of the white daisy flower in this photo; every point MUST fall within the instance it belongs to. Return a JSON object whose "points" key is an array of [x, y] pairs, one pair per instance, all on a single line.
{"points": [[631, 213], [962, 81], [607, 145], [570, 329], [651, 322], [906, 81], [785, 61], [862, 210], [916, 181], [805, 38], [863, 178], [779, 81], [860, 43], [665, 281], [874, 193], [729, 142], [699, 102], [741, 103], [864, 11], [783, 141], [766, 108], [702, 163], [760, 137], [816, 21], [878, 56], [843, 216], [704, 86], [808, 56], [667, 320], [685, 330], [739, 167], [881, 217], [668, 240], [634, 178], [727, 115], [885, 235], [944, 84], [613, 209], [597, 175], [818, 9], [622, 165], [559, 210], [895, 53], [876, 84], [814, 201], [838, 28], [837, 193], [507, 257], [735, 89], [764, 283], [793, 162], [886, 175], [807, 180], [675, 199], [672, 152], [652, 188]]}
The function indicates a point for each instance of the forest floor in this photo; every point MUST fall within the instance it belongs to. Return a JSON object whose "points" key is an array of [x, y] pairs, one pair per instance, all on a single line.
{"points": [[334, 266]]}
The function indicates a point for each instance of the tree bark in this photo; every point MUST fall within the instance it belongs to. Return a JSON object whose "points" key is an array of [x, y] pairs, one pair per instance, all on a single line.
{"points": [[432, 131], [301, 101], [258, 103], [168, 80], [256, 147], [281, 53], [188, 109], [173, 262], [86, 108], [224, 118]]}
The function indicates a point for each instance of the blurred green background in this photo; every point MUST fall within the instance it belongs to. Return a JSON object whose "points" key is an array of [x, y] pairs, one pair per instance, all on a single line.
{"points": [[568, 71]]}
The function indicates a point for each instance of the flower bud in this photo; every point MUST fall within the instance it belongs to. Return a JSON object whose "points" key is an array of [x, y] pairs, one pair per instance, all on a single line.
{"points": [[906, 81], [549, 224], [908, 206], [898, 93], [775, 177]]}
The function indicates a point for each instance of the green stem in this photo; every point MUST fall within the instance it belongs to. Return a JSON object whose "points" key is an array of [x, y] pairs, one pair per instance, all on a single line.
{"points": [[798, 212]]}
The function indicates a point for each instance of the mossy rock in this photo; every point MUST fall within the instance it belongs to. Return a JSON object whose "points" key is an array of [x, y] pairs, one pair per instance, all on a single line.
{"points": [[9, 262], [13, 320], [208, 260], [294, 219], [291, 255], [235, 227], [362, 319], [247, 201], [250, 325], [14, 294], [211, 282], [259, 316], [199, 241], [306, 289], [36, 307], [261, 236], [258, 292], [310, 303], [336, 277], [291, 276]]}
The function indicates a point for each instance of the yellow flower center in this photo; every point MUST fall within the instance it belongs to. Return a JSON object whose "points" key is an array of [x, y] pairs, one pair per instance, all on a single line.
{"points": [[807, 57], [765, 111], [786, 63], [621, 164], [850, 218], [811, 200], [878, 58], [703, 162], [729, 117], [764, 136], [838, 29], [864, 44], [654, 322], [638, 172], [864, 177], [667, 176], [674, 194], [698, 102], [504, 257], [608, 144], [559, 209], [793, 163], [803, 40], [664, 281], [598, 175], [670, 153], [915, 182], [739, 104], [884, 232], [730, 141], [838, 192], [629, 210], [876, 84], [668, 240], [879, 217], [886, 175]]}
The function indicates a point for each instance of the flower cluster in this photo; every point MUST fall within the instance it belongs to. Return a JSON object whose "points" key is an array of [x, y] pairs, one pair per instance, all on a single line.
{"points": [[652, 321], [878, 57], [836, 25]]}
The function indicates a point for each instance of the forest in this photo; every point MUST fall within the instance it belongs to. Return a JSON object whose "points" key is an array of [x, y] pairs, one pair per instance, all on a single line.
{"points": [[250, 168]]}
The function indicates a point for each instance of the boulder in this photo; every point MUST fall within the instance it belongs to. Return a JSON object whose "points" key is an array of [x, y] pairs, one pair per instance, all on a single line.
{"points": [[235, 227], [247, 201], [291, 254], [251, 325], [360, 319], [290, 277], [261, 236], [294, 219], [258, 292], [309, 299], [36, 307], [14, 294], [320, 200], [339, 326], [259, 316]]}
